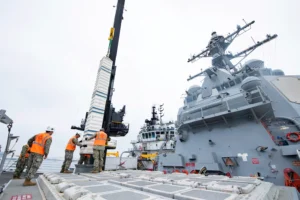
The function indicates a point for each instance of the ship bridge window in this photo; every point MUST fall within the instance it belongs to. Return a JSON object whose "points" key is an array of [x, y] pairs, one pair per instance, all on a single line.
{"points": [[146, 134], [153, 135]]}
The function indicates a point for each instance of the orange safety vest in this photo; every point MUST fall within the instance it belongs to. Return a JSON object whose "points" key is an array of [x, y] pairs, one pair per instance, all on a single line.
{"points": [[39, 143], [100, 139], [71, 146], [27, 152]]}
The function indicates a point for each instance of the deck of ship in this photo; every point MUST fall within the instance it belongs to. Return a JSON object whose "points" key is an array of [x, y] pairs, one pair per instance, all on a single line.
{"points": [[135, 185], [5, 177]]}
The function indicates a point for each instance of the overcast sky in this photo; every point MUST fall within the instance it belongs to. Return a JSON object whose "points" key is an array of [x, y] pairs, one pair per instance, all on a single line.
{"points": [[50, 52]]}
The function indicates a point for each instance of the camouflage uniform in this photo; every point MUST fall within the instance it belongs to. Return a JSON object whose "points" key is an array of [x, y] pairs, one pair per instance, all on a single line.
{"points": [[98, 154], [83, 159], [68, 157], [35, 160], [22, 162]]}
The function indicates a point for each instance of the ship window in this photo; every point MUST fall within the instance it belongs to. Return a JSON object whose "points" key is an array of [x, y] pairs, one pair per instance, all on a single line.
{"points": [[172, 132], [157, 133], [231, 83], [146, 135], [153, 135]]}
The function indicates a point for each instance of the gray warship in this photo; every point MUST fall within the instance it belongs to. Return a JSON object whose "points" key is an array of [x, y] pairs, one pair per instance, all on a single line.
{"points": [[242, 121]]}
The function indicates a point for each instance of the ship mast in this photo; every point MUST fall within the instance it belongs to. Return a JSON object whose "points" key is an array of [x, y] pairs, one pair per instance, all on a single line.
{"points": [[217, 46]]}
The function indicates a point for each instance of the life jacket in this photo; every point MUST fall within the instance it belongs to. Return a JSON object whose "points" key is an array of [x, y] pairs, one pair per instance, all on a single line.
{"points": [[38, 145], [100, 139], [27, 152], [71, 146]]}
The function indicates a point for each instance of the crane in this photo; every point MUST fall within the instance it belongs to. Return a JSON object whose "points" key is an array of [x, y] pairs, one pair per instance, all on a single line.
{"points": [[112, 121]]}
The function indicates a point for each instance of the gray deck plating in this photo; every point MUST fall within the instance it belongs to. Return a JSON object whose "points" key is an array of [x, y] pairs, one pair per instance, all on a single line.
{"points": [[135, 185], [15, 191]]}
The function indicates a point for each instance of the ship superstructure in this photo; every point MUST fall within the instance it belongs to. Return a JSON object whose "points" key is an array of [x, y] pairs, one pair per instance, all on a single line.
{"points": [[243, 120], [155, 137]]}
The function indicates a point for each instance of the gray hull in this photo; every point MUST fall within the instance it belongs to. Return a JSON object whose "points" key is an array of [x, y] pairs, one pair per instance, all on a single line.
{"points": [[237, 123]]}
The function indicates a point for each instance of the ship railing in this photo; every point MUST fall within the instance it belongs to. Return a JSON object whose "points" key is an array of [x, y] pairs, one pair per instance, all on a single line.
{"points": [[221, 104]]}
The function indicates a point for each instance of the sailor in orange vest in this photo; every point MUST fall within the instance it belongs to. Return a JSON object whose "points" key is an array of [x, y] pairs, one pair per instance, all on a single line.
{"points": [[39, 148], [70, 148], [22, 161], [98, 149]]}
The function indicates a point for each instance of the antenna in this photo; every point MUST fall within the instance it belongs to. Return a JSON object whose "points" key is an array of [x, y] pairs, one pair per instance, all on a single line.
{"points": [[161, 114], [250, 49], [221, 59], [221, 42]]}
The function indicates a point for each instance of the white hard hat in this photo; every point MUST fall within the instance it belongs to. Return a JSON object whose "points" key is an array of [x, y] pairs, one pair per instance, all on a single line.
{"points": [[49, 128]]}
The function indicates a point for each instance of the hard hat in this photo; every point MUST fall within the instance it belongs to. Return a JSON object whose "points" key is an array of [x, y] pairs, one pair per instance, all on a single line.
{"points": [[49, 128]]}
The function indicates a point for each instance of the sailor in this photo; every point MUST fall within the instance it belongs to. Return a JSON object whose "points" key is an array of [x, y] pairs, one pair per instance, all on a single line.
{"points": [[39, 148], [98, 149], [22, 161], [84, 158], [70, 148]]}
